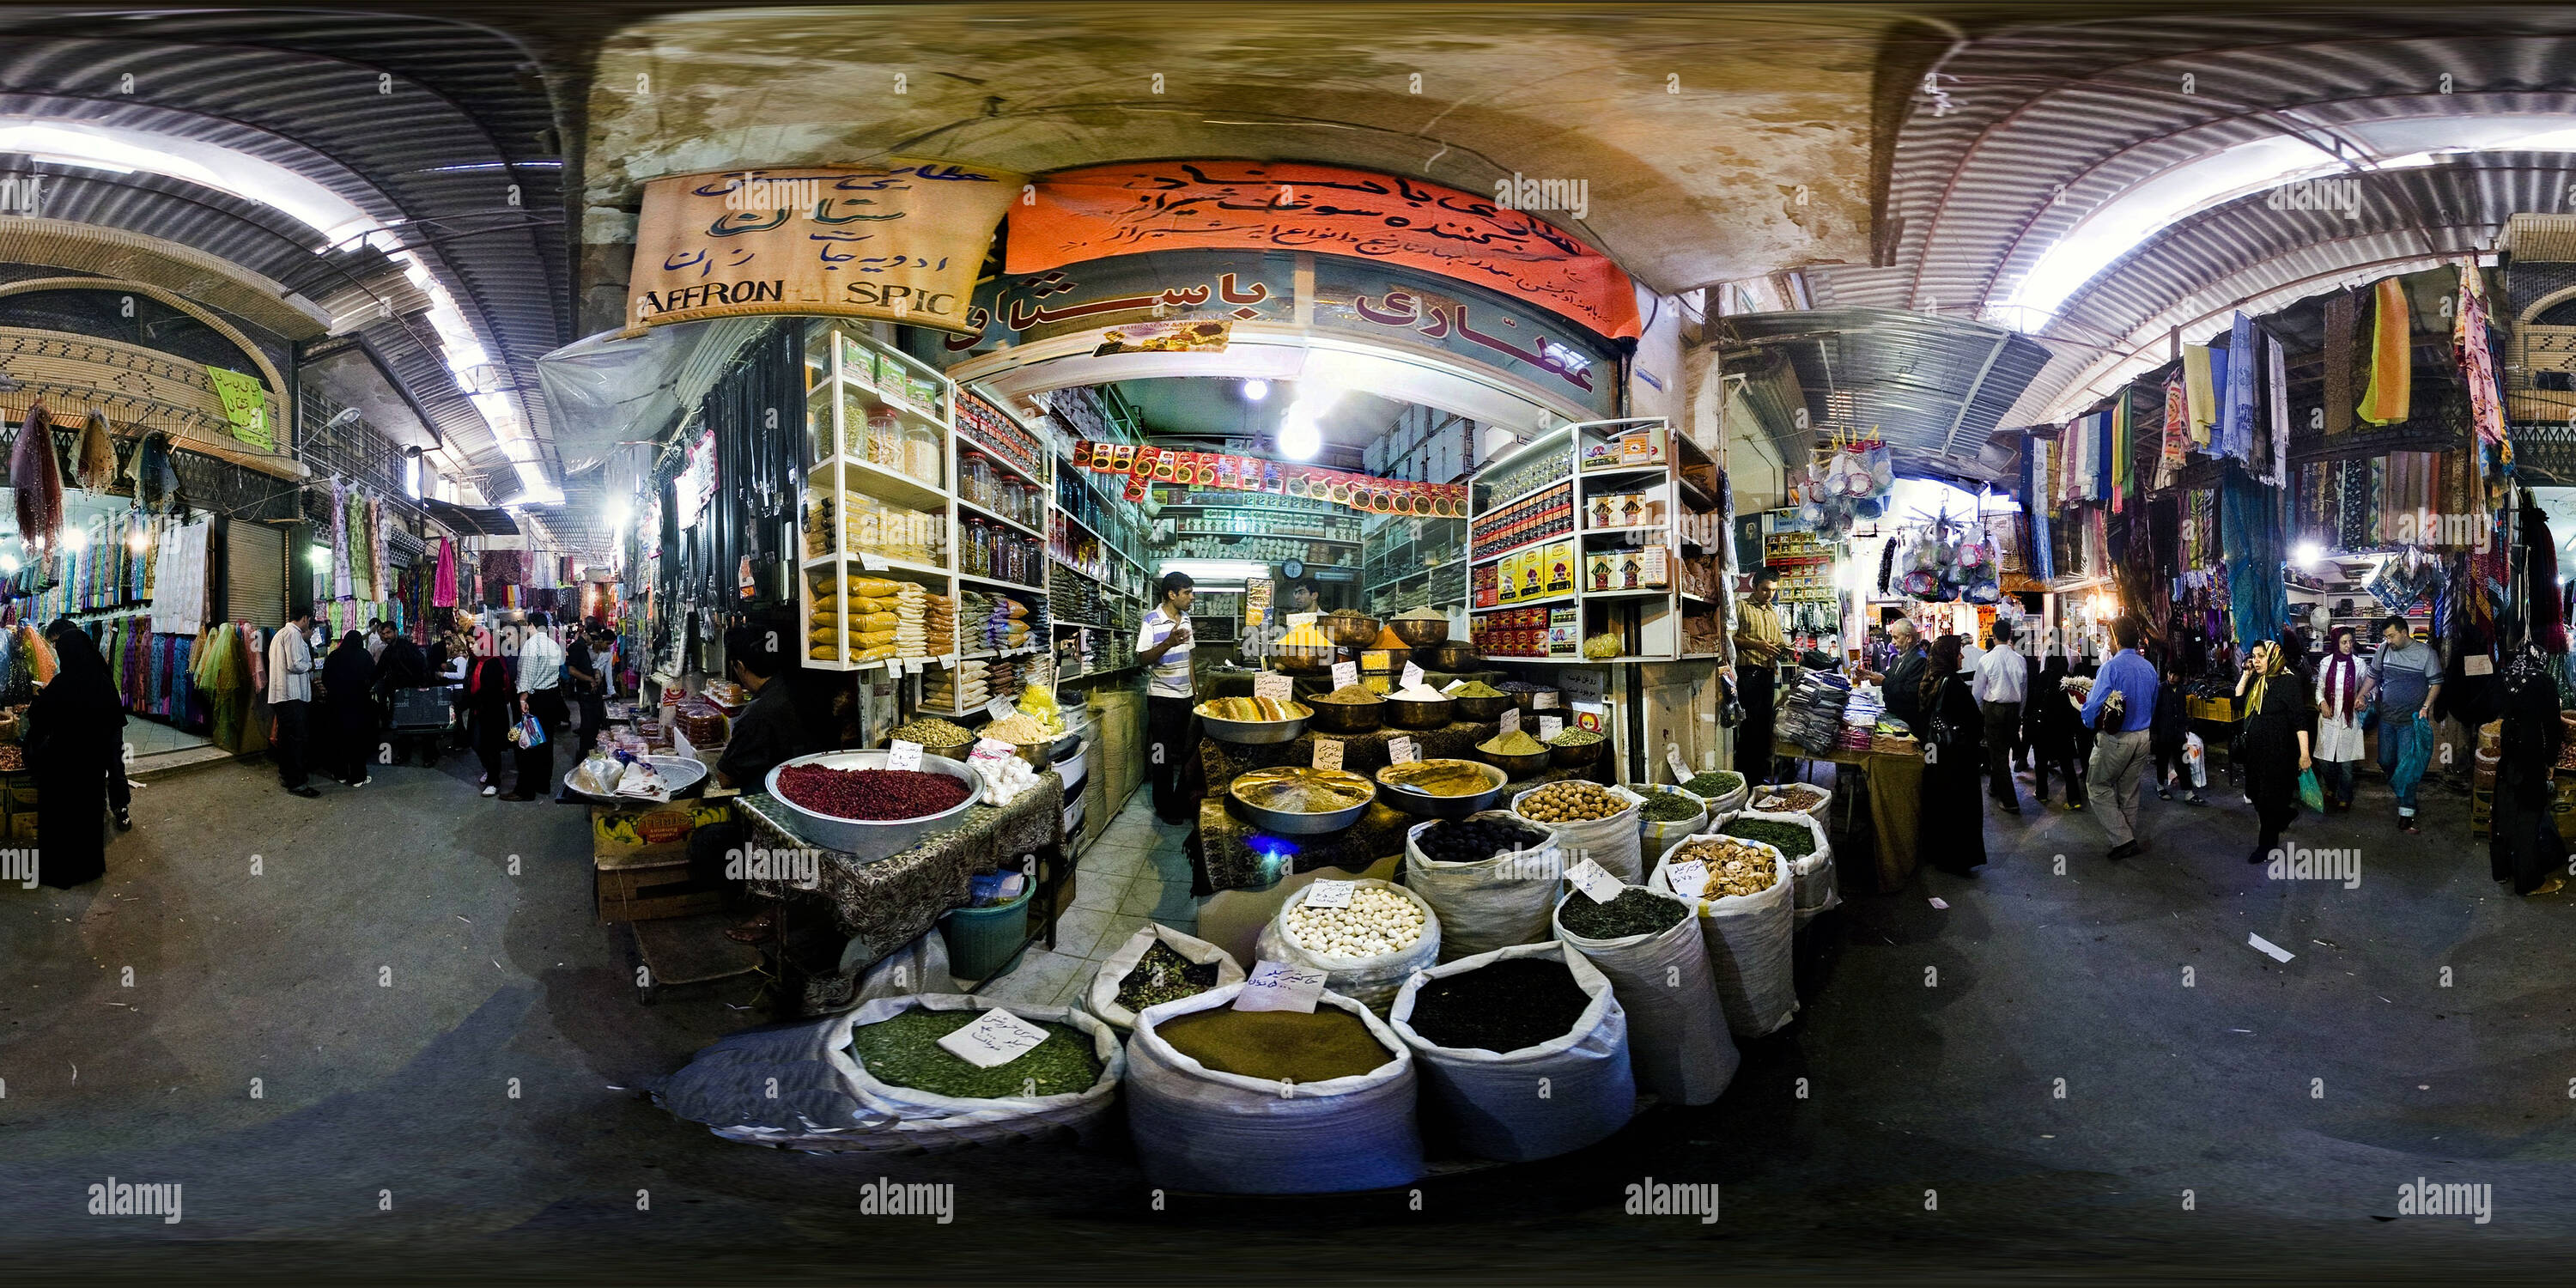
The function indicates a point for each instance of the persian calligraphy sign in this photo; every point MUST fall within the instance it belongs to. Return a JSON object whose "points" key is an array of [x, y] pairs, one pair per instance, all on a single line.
{"points": [[899, 242]]}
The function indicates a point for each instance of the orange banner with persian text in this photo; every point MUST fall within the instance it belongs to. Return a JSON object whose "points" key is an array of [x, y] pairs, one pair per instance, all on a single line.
{"points": [[1134, 207]]}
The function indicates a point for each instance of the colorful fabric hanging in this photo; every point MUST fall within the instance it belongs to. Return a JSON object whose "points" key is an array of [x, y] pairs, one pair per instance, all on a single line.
{"points": [[2120, 445], [2390, 397], [2476, 356], [2342, 327], [443, 591], [2277, 383], [2236, 431], [2200, 391]]}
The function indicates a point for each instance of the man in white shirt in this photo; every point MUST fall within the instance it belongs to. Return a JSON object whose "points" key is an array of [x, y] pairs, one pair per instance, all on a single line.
{"points": [[290, 700], [1163, 646], [2002, 681], [541, 662]]}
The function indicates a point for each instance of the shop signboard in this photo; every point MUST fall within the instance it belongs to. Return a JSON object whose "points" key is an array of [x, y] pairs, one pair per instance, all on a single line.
{"points": [[245, 405], [1350, 298], [899, 242]]}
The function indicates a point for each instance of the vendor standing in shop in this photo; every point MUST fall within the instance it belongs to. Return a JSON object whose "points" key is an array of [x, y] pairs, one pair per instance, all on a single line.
{"points": [[1163, 647], [1759, 647], [2408, 675], [1903, 682], [768, 733], [1262, 642]]}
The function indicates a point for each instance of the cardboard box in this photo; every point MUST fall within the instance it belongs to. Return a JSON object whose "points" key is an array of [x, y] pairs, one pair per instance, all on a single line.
{"points": [[622, 835], [1559, 573]]}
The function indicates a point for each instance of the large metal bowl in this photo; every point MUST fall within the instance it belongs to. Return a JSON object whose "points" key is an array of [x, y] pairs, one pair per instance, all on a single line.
{"points": [[1253, 732], [1346, 717], [1349, 632], [1304, 660], [1575, 757], [1421, 632], [686, 778], [1426, 805], [1527, 700], [1483, 709], [1409, 713], [1454, 656], [1283, 823], [860, 839], [1518, 768]]}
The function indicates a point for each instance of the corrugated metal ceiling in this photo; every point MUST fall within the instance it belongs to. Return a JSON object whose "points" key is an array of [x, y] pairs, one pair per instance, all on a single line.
{"points": [[1933, 387]]}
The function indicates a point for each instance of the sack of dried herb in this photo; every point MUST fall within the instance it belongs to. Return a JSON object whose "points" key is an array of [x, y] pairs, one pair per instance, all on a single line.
{"points": [[1117, 977], [1500, 899], [1814, 869], [1483, 1096], [928, 1111], [1749, 938], [1677, 1036]]}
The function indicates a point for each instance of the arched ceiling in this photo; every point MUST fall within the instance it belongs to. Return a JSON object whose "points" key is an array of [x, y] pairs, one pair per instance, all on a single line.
{"points": [[2175, 132], [422, 126]]}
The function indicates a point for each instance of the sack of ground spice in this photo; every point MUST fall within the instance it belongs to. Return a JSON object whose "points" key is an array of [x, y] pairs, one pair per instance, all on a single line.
{"points": [[1677, 1037], [1610, 842], [1480, 1096], [1216, 966], [1198, 1128], [982, 1117], [1665, 819], [1792, 833], [1371, 978], [1749, 938], [1486, 903]]}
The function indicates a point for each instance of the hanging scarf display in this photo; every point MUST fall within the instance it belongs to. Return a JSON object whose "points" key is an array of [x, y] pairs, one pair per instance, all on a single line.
{"points": [[2250, 533], [2120, 449], [443, 590], [2476, 356], [38, 480], [2237, 408], [339, 588], [2200, 391], [2342, 323], [2276, 382], [2390, 397]]}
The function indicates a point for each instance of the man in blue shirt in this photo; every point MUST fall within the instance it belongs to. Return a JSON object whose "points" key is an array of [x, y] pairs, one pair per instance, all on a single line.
{"points": [[2407, 681], [2119, 711]]}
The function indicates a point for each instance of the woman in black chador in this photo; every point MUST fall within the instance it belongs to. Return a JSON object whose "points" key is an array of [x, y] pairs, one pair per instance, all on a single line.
{"points": [[2524, 847], [2049, 722], [1953, 824], [2280, 718], [75, 738]]}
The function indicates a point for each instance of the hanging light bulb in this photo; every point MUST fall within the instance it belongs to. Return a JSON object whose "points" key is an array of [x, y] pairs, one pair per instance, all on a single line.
{"points": [[8, 564], [75, 538], [1255, 390], [1299, 437]]}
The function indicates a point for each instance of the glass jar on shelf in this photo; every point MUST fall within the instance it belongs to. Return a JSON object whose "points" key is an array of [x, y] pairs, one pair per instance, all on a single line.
{"points": [[885, 439], [974, 549], [921, 454], [978, 483]]}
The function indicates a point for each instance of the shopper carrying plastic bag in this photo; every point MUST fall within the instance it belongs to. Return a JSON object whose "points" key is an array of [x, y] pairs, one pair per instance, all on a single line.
{"points": [[1112, 975], [1200, 1129], [1749, 939], [1677, 1037], [1538, 1101], [1489, 903]]}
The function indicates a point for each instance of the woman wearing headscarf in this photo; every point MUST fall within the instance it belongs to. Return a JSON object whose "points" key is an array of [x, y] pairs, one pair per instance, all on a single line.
{"points": [[2279, 714], [1953, 810], [489, 703], [349, 680], [75, 738], [2343, 687], [2049, 722]]}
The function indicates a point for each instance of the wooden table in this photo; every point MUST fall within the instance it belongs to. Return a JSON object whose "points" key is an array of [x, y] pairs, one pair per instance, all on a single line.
{"points": [[1895, 786]]}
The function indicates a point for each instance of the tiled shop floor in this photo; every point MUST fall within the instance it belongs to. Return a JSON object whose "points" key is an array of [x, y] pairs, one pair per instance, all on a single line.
{"points": [[1134, 875]]}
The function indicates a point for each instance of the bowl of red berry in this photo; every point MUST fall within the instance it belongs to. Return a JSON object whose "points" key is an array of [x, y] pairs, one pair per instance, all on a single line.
{"points": [[850, 801]]}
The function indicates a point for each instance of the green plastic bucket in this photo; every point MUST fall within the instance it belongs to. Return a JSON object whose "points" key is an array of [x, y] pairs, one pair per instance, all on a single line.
{"points": [[983, 940]]}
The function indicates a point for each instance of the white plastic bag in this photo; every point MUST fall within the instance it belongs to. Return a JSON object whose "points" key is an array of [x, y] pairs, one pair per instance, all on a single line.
{"points": [[1749, 939], [1489, 903], [1657, 834], [2196, 755], [1103, 998], [1816, 887], [1540, 1101], [1198, 1129], [1611, 842], [1677, 1036], [918, 967], [1371, 980]]}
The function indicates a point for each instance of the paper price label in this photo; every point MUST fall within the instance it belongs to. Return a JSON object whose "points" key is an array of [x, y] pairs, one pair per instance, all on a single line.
{"points": [[1345, 674], [1594, 881], [1001, 709], [903, 755], [1580, 686], [1399, 751], [1412, 675], [1687, 878], [1330, 894], [1278, 986], [998, 1038], [1274, 686], [1328, 753], [1673, 757], [2477, 664], [1511, 722], [1549, 727], [1543, 700], [1296, 620], [873, 563]]}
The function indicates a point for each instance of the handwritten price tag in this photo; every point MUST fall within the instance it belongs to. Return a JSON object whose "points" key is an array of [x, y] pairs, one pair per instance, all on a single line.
{"points": [[1330, 894], [1687, 878], [1278, 986], [1680, 767], [873, 563], [1345, 674], [1549, 727], [1594, 881], [1412, 675], [1399, 751], [1328, 753], [1001, 709], [1511, 720], [1274, 686], [1543, 700], [1296, 620], [903, 755], [998, 1038]]}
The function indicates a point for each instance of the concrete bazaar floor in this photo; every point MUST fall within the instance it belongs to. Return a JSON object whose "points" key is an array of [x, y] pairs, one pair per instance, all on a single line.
{"points": [[387, 980]]}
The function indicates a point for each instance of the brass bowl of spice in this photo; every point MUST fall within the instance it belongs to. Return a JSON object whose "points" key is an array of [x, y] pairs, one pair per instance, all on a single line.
{"points": [[1349, 627], [1352, 708], [1293, 801], [1421, 627], [1574, 746], [1480, 702], [1440, 788], [1516, 753], [1454, 656]]}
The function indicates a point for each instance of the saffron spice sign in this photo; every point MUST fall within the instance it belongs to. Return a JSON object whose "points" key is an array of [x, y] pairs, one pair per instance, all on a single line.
{"points": [[894, 243], [1146, 466]]}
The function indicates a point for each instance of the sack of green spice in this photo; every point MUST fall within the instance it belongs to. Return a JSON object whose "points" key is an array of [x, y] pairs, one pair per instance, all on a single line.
{"points": [[1489, 903], [1656, 834], [1749, 938], [1814, 870], [1483, 1097], [1201, 1129], [1113, 973], [938, 1118], [1677, 1036]]}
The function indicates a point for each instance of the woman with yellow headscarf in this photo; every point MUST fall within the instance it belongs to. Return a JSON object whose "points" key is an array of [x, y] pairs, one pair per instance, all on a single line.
{"points": [[2280, 719]]}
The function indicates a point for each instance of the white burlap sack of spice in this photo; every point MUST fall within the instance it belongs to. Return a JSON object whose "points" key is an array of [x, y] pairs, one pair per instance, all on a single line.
{"points": [[1749, 939], [1611, 842], [913, 1105], [1371, 980], [1489, 903], [1103, 998], [1677, 1038], [1656, 834], [1816, 890], [1539, 1101], [1824, 799], [1199, 1129]]}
